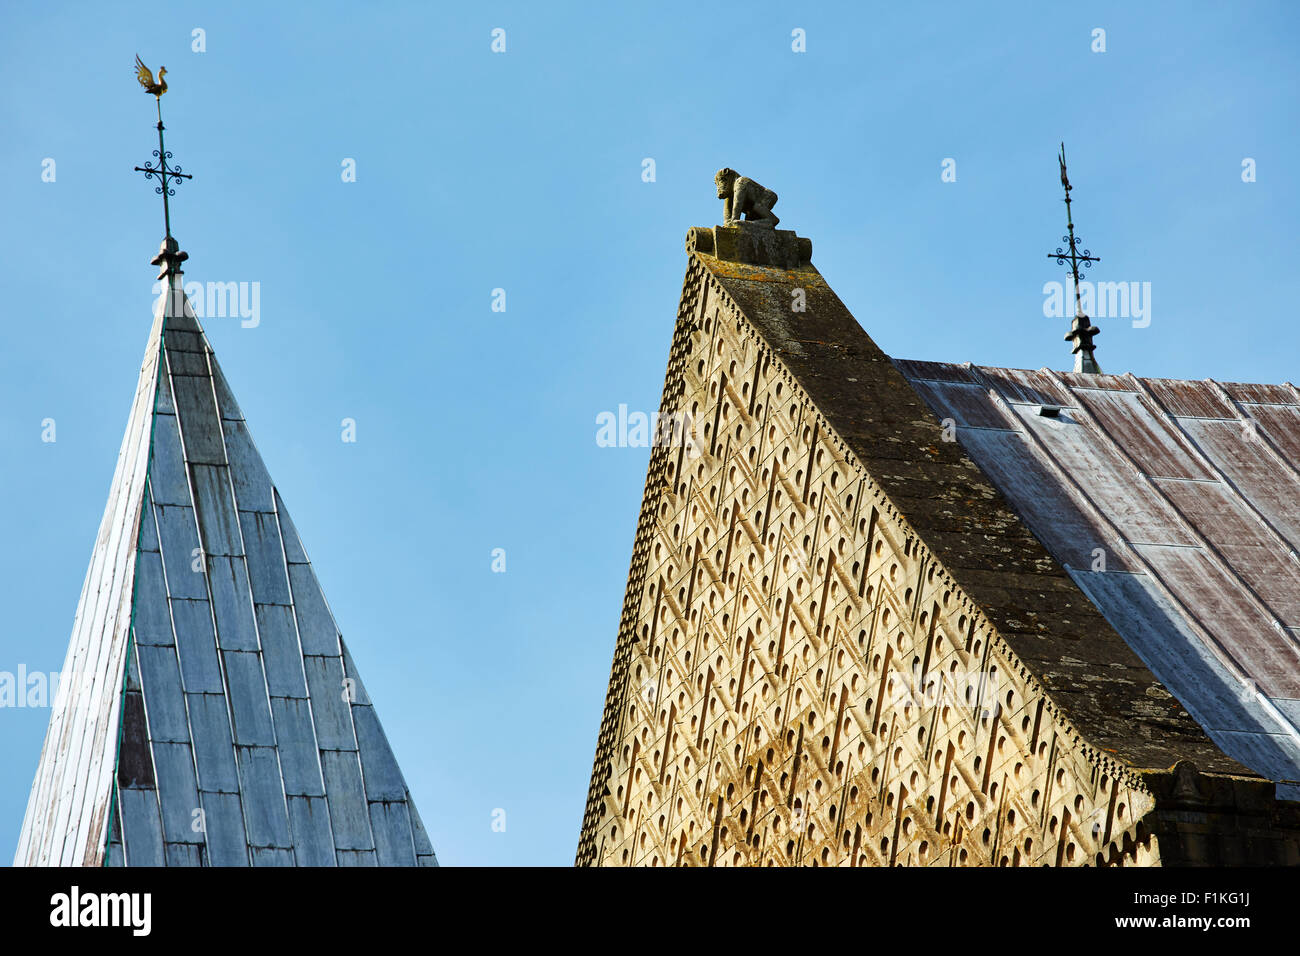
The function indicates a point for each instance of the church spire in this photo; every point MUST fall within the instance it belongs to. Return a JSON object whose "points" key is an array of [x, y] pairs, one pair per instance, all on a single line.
{"points": [[209, 711], [1082, 331]]}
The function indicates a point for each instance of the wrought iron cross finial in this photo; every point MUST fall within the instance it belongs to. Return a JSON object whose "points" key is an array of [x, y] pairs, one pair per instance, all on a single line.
{"points": [[166, 174], [1082, 330]]}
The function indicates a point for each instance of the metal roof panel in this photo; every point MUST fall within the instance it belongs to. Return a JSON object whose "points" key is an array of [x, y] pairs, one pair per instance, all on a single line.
{"points": [[1280, 424], [196, 646], [178, 792], [265, 555], [316, 630], [1189, 399], [214, 754], [250, 705], [349, 815], [266, 816], [391, 824], [141, 826], [232, 603], [299, 754], [215, 506], [332, 713], [1200, 482], [281, 656], [223, 826], [313, 842], [160, 678]]}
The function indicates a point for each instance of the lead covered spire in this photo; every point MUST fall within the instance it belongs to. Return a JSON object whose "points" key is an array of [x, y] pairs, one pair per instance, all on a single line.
{"points": [[209, 711]]}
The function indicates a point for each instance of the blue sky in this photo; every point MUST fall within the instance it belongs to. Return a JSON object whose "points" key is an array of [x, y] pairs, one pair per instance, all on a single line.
{"points": [[522, 171]]}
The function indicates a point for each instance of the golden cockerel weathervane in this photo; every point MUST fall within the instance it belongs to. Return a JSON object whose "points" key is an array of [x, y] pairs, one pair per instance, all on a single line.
{"points": [[144, 76], [167, 175]]}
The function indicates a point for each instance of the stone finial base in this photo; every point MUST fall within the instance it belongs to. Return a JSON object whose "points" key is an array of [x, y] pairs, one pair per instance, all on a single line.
{"points": [[169, 258], [753, 243]]}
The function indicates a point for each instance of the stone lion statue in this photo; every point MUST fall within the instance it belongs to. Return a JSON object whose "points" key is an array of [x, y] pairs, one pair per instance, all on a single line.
{"points": [[744, 197]]}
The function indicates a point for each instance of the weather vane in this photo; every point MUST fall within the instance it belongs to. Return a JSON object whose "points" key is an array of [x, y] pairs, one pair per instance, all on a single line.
{"points": [[1082, 330], [166, 175]]}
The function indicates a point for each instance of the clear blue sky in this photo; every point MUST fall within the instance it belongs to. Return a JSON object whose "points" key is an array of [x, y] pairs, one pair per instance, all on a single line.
{"points": [[475, 171]]}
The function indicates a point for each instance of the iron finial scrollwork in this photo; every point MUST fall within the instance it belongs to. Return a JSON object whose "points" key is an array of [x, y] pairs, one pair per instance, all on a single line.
{"points": [[1082, 330], [168, 176]]}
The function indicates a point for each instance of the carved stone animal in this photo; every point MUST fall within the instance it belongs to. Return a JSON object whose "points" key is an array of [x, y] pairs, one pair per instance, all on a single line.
{"points": [[744, 197]]}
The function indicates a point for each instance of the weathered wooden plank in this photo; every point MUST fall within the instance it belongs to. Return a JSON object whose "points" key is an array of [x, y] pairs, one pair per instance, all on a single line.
{"points": [[966, 405], [1189, 399], [423, 846], [1281, 423], [1247, 462], [184, 854], [356, 688]]}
